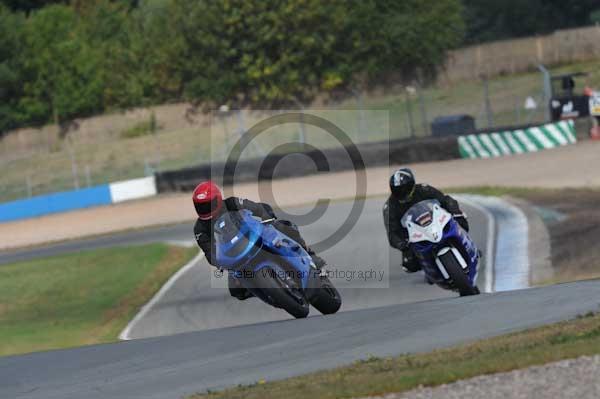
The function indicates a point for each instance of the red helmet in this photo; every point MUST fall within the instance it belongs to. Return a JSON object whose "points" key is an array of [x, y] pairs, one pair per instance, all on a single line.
{"points": [[208, 200]]}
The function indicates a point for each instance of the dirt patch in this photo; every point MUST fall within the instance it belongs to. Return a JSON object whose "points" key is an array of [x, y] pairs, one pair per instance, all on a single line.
{"points": [[574, 237]]}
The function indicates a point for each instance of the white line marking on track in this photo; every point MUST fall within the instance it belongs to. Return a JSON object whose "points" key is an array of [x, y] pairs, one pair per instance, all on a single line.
{"points": [[182, 243], [511, 262], [512, 243], [146, 308], [472, 201]]}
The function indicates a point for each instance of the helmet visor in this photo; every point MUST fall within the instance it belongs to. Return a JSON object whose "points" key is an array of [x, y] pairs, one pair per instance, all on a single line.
{"points": [[205, 209], [404, 193]]}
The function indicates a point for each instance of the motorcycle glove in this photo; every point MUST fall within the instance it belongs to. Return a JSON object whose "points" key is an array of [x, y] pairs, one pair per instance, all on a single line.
{"points": [[402, 245], [410, 264]]}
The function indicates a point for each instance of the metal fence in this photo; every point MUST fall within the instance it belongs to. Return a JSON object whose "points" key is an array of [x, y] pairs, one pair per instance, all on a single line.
{"points": [[176, 136], [561, 47]]}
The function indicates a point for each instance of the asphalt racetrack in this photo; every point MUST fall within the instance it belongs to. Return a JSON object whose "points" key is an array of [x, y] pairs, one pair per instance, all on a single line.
{"points": [[362, 266], [177, 365], [407, 316]]}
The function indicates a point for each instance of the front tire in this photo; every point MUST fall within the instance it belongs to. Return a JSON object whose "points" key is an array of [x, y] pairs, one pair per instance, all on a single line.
{"points": [[459, 278], [326, 298], [282, 294]]}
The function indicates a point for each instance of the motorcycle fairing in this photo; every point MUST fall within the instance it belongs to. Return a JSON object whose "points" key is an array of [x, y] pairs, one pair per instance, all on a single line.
{"points": [[243, 242], [440, 231]]}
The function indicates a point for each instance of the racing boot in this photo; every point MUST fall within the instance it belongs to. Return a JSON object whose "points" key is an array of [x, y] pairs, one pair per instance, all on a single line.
{"points": [[319, 262]]}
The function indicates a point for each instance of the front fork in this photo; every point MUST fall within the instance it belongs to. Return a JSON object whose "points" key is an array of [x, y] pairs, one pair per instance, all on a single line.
{"points": [[457, 255], [434, 269]]}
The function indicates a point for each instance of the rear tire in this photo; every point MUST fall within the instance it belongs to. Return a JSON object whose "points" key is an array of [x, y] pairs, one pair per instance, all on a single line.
{"points": [[326, 298], [457, 275], [282, 294]]}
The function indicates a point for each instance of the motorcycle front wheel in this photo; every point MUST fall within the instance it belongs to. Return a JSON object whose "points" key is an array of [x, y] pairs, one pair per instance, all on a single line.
{"points": [[460, 280], [282, 293], [326, 298]]}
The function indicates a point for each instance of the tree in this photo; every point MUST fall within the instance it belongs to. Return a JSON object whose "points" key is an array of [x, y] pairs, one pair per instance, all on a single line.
{"points": [[61, 70], [595, 16], [266, 52], [137, 46], [502, 19], [281, 52], [412, 36], [68, 61], [29, 5], [11, 35]]}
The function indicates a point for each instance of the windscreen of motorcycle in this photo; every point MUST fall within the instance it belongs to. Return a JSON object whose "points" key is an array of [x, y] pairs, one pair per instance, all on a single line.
{"points": [[420, 213], [234, 233], [227, 227]]}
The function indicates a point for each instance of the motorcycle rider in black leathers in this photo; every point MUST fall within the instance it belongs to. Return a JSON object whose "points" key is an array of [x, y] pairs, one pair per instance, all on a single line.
{"points": [[209, 205], [404, 194]]}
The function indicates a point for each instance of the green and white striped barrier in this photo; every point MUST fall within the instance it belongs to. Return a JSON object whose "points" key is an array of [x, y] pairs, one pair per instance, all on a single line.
{"points": [[498, 144]]}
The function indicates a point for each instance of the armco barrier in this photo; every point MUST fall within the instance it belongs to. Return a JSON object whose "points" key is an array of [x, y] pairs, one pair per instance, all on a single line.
{"points": [[275, 166], [54, 203], [132, 189], [278, 166], [78, 199], [531, 139]]}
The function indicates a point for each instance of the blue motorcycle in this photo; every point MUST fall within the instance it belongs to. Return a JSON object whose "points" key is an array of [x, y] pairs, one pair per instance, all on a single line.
{"points": [[272, 266], [445, 251]]}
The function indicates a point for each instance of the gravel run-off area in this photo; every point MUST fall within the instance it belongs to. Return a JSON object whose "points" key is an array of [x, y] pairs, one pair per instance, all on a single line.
{"points": [[567, 379]]}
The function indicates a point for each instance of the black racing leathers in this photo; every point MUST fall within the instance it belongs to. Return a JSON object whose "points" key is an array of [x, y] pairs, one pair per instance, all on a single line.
{"points": [[204, 233], [393, 210], [204, 229]]}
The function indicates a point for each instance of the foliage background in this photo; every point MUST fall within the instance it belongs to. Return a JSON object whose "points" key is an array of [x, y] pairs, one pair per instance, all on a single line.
{"points": [[60, 60]]}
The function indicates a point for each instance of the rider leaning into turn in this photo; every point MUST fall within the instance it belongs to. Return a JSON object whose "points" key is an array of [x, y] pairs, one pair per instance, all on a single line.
{"points": [[404, 194], [209, 204]]}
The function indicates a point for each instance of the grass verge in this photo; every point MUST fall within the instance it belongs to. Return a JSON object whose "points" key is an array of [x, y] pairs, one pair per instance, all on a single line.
{"points": [[80, 299], [376, 376]]}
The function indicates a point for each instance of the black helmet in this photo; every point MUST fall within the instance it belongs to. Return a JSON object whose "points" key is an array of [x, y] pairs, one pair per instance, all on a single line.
{"points": [[402, 184]]}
